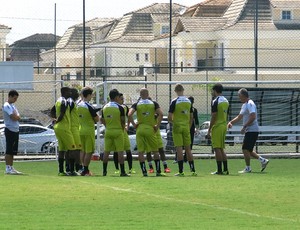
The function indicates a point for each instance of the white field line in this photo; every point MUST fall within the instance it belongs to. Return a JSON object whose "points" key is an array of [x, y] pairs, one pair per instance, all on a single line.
{"points": [[129, 190]]}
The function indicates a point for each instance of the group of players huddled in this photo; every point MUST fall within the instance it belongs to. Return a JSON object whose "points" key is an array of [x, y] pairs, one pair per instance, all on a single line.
{"points": [[74, 121]]}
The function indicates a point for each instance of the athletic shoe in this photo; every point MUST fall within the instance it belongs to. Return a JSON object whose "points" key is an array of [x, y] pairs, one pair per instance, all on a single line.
{"points": [[264, 165], [226, 172], [216, 173], [160, 174], [132, 171], [62, 174], [179, 174], [104, 173], [175, 162], [117, 171], [73, 174], [86, 173], [151, 170], [245, 171], [194, 174], [167, 170], [145, 174], [124, 175], [14, 171]]}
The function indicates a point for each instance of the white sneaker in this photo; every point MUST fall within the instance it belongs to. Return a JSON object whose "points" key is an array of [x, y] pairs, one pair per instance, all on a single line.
{"points": [[14, 171], [264, 165], [245, 170]]}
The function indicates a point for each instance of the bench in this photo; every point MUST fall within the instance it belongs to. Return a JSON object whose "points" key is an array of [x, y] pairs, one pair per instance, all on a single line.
{"points": [[268, 135]]}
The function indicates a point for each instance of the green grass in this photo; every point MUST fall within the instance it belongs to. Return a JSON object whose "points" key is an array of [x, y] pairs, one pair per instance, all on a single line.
{"points": [[42, 200]]}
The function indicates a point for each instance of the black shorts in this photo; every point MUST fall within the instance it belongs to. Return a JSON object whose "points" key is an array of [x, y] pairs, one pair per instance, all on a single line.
{"points": [[250, 139], [12, 142]]}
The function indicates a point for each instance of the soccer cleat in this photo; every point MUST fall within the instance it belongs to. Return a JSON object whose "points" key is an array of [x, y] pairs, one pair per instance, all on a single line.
{"points": [[167, 170], [132, 171], [245, 171], [194, 174], [86, 173], [124, 175], [62, 174], [73, 174], [104, 173], [145, 174], [216, 173], [264, 165], [226, 172], [117, 171], [179, 174], [151, 170], [160, 174]]}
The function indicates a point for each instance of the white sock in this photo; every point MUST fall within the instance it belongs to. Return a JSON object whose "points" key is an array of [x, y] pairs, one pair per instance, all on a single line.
{"points": [[248, 168], [261, 159]]}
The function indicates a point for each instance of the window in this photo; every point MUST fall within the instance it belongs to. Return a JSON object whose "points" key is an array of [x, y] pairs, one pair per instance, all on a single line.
{"points": [[137, 57], [165, 30], [286, 15], [146, 57]]}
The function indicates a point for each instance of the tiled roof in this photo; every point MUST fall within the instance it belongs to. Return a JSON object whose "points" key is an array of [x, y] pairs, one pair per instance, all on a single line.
{"points": [[199, 24], [285, 3]]}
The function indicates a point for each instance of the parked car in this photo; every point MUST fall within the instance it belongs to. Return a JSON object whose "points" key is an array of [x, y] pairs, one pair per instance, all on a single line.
{"points": [[26, 121], [202, 132], [32, 139]]}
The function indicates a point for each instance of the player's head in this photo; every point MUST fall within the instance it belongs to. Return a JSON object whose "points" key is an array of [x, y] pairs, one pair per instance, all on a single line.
{"points": [[121, 99], [144, 93], [243, 95], [218, 88], [65, 92], [86, 93], [191, 98], [114, 94], [12, 96], [179, 89], [74, 94]]}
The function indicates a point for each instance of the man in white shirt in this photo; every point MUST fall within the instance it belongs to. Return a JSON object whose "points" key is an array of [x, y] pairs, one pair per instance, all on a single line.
{"points": [[11, 120]]}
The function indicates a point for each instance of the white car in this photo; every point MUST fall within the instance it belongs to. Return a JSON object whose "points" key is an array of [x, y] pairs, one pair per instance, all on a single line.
{"points": [[32, 139], [203, 130]]}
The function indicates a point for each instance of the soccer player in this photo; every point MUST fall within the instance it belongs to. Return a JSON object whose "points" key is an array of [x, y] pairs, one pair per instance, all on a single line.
{"points": [[11, 118], [126, 139], [62, 129], [113, 117], [250, 128], [181, 116], [87, 118], [218, 128], [146, 126], [74, 156]]}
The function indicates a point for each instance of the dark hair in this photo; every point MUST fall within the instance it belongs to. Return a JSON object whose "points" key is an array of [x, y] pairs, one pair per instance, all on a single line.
{"points": [[120, 94], [113, 94], [74, 94], [191, 99], [218, 88], [65, 91], [13, 93], [178, 88], [86, 91]]}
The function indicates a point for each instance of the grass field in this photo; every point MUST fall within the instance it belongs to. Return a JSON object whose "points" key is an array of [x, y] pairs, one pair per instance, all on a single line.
{"points": [[42, 200]]}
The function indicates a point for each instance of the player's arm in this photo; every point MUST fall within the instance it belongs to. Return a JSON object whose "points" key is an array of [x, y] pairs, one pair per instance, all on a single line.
{"points": [[171, 111], [212, 122], [130, 115], [159, 118], [102, 120], [15, 116], [63, 109], [235, 120]]}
